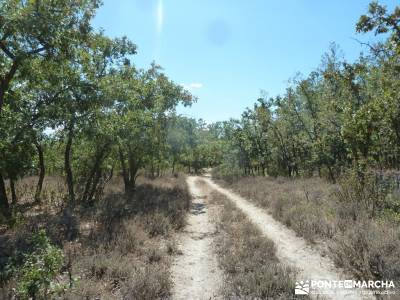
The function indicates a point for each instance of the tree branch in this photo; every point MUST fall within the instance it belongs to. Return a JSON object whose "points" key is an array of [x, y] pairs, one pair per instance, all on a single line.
{"points": [[38, 50], [6, 51], [376, 51]]}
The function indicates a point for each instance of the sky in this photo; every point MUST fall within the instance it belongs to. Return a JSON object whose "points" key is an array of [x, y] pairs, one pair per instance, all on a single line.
{"points": [[226, 52]]}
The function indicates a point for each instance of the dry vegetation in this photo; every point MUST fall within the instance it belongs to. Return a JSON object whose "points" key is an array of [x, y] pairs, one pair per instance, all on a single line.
{"points": [[355, 224], [120, 248], [251, 268]]}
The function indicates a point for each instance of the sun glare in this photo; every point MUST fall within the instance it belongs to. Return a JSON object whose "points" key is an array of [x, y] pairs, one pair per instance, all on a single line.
{"points": [[160, 16]]}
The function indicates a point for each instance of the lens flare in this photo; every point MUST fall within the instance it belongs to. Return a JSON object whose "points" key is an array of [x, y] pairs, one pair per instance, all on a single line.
{"points": [[160, 16]]}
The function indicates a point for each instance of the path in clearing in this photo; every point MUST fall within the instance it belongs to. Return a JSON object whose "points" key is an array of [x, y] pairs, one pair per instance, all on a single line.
{"points": [[195, 273], [292, 249]]}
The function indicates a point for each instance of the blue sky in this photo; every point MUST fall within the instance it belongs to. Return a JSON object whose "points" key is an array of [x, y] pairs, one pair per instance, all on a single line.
{"points": [[226, 51]]}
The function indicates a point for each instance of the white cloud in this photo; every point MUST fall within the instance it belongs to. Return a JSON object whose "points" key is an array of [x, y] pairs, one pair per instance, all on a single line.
{"points": [[194, 85]]}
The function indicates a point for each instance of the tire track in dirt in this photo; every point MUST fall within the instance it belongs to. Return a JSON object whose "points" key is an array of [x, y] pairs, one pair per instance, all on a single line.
{"points": [[292, 249], [195, 273]]}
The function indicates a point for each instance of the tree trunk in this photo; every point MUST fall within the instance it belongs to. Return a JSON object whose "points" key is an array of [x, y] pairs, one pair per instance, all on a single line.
{"points": [[133, 169], [173, 166], [289, 169], [67, 164], [42, 172], [14, 199], [68, 211], [125, 172], [96, 181], [5, 82], [331, 175], [152, 170], [4, 206], [93, 178]]}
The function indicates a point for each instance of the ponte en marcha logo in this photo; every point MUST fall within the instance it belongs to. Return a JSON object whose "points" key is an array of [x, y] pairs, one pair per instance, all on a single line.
{"points": [[308, 287]]}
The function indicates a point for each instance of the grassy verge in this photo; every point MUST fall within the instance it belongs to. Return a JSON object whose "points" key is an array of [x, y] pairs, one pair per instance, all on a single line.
{"points": [[248, 260], [351, 222], [118, 249]]}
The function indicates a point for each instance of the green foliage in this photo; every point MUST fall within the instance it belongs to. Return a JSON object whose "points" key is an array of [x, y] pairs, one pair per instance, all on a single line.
{"points": [[193, 144], [37, 277], [75, 93], [381, 21]]}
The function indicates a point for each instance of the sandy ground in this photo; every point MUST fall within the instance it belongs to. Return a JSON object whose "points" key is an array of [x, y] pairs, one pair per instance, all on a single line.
{"points": [[292, 249], [196, 274]]}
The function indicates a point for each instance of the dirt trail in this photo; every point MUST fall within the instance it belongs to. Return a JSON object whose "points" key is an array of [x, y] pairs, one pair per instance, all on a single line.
{"points": [[196, 274], [292, 249]]}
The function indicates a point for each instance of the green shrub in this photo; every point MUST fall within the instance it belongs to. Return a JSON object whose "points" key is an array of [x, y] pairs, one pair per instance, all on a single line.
{"points": [[36, 277]]}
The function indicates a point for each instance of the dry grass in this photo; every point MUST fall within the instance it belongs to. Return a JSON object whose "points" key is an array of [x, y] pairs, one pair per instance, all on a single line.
{"points": [[338, 218], [121, 248], [306, 205], [251, 268]]}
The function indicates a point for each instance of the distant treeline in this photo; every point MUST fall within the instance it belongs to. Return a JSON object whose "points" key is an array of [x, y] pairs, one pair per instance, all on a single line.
{"points": [[343, 115]]}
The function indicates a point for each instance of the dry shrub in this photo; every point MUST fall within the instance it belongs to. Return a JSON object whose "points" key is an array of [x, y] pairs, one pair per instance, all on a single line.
{"points": [[151, 282], [248, 259], [370, 249], [52, 197], [312, 226], [120, 248], [136, 242], [131, 265], [307, 206], [156, 223], [131, 237], [358, 219]]}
